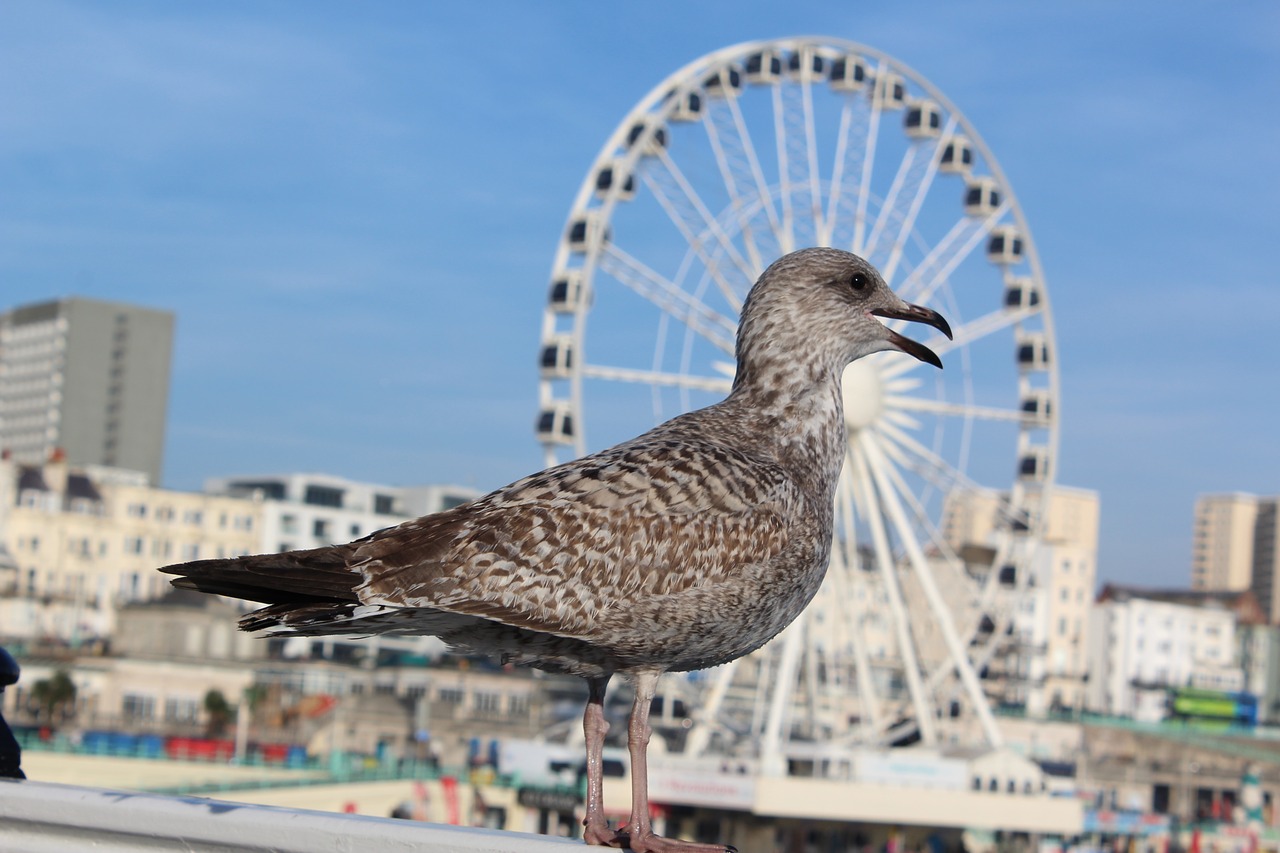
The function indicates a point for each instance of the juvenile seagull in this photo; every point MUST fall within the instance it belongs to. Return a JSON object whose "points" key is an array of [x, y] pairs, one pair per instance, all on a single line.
{"points": [[681, 549]]}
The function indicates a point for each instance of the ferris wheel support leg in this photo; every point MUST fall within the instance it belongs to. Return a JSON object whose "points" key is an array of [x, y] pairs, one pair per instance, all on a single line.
{"points": [[901, 624], [843, 581], [772, 760], [700, 736], [959, 657]]}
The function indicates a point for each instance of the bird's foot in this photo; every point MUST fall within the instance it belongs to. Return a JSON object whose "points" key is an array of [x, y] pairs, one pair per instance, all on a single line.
{"points": [[600, 835], [651, 843]]}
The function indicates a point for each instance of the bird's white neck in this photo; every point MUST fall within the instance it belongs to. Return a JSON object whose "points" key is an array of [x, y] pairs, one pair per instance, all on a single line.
{"points": [[800, 417]]}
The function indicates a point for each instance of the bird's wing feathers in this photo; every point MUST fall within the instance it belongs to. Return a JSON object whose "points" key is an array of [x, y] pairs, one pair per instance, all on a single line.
{"points": [[556, 551]]}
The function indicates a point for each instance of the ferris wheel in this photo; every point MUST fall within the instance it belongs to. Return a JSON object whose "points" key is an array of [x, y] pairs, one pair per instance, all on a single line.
{"points": [[746, 154]]}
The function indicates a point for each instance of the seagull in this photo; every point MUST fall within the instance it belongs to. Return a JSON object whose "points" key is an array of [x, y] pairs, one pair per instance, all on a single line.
{"points": [[684, 548]]}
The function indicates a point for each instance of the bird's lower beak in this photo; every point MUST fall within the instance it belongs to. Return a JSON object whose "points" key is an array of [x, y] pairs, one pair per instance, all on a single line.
{"points": [[916, 314]]}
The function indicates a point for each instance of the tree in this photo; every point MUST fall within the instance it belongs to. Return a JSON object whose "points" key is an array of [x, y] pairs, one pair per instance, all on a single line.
{"points": [[220, 712], [55, 696]]}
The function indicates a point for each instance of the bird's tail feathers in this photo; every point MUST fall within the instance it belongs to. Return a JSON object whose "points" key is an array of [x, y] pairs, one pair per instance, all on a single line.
{"points": [[316, 575]]}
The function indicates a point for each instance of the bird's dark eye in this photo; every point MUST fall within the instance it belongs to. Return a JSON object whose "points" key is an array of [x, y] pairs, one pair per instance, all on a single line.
{"points": [[858, 282]]}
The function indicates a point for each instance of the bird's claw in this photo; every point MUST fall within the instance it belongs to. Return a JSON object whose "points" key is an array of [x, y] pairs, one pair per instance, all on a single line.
{"points": [[651, 843]]}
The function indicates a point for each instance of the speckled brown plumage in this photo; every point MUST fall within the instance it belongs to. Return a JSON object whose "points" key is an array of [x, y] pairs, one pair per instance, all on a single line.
{"points": [[684, 548]]}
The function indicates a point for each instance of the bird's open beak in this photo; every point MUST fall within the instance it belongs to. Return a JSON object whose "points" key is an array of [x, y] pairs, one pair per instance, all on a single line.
{"points": [[915, 314]]}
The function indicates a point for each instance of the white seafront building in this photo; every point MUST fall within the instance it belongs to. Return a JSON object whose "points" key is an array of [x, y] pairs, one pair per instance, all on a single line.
{"points": [[1142, 642], [309, 510]]}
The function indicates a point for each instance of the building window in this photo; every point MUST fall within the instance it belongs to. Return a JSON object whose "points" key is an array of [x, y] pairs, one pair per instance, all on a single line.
{"points": [[450, 695], [384, 504], [518, 705], [320, 528], [355, 531], [190, 551], [133, 545], [486, 703], [193, 516], [138, 708], [323, 496], [288, 524], [137, 510], [180, 710]]}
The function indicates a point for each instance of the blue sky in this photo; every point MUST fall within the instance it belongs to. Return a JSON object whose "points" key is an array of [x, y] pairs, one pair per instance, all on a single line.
{"points": [[353, 210]]}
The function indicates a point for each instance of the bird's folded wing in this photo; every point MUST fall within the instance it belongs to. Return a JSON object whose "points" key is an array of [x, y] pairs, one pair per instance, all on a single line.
{"points": [[558, 550]]}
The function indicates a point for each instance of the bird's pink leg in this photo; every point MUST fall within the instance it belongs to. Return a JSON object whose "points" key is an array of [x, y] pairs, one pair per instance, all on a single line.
{"points": [[594, 727], [638, 833]]}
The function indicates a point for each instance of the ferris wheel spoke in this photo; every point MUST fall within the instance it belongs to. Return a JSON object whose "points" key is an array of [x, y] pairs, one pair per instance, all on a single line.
{"points": [[718, 384], [788, 235], [853, 122], [957, 410], [890, 209], [844, 574], [901, 419], [732, 161], [919, 514], [763, 196], [919, 181], [868, 159], [802, 158], [902, 384], [689, 213], [713, 326], [914, 456], [936, 267]]}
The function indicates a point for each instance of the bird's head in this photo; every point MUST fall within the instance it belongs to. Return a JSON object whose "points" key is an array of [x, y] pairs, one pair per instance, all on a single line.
{"points": [[821, 306]]}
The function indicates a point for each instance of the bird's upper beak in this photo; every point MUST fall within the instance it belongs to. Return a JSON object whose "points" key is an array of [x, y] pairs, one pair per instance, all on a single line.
{"points": [[916, 314]]}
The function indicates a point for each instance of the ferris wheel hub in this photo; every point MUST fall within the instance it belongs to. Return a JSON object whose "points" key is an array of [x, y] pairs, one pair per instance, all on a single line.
{"points": [[863, 391]]}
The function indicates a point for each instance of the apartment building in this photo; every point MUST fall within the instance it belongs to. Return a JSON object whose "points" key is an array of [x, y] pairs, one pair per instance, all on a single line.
{"points": [[89, 377], [1222, 541], [84, 539], [1234, 547]]}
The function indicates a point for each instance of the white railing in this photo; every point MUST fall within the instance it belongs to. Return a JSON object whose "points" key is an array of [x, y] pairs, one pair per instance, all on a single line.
{"points": [[41, 817]]}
